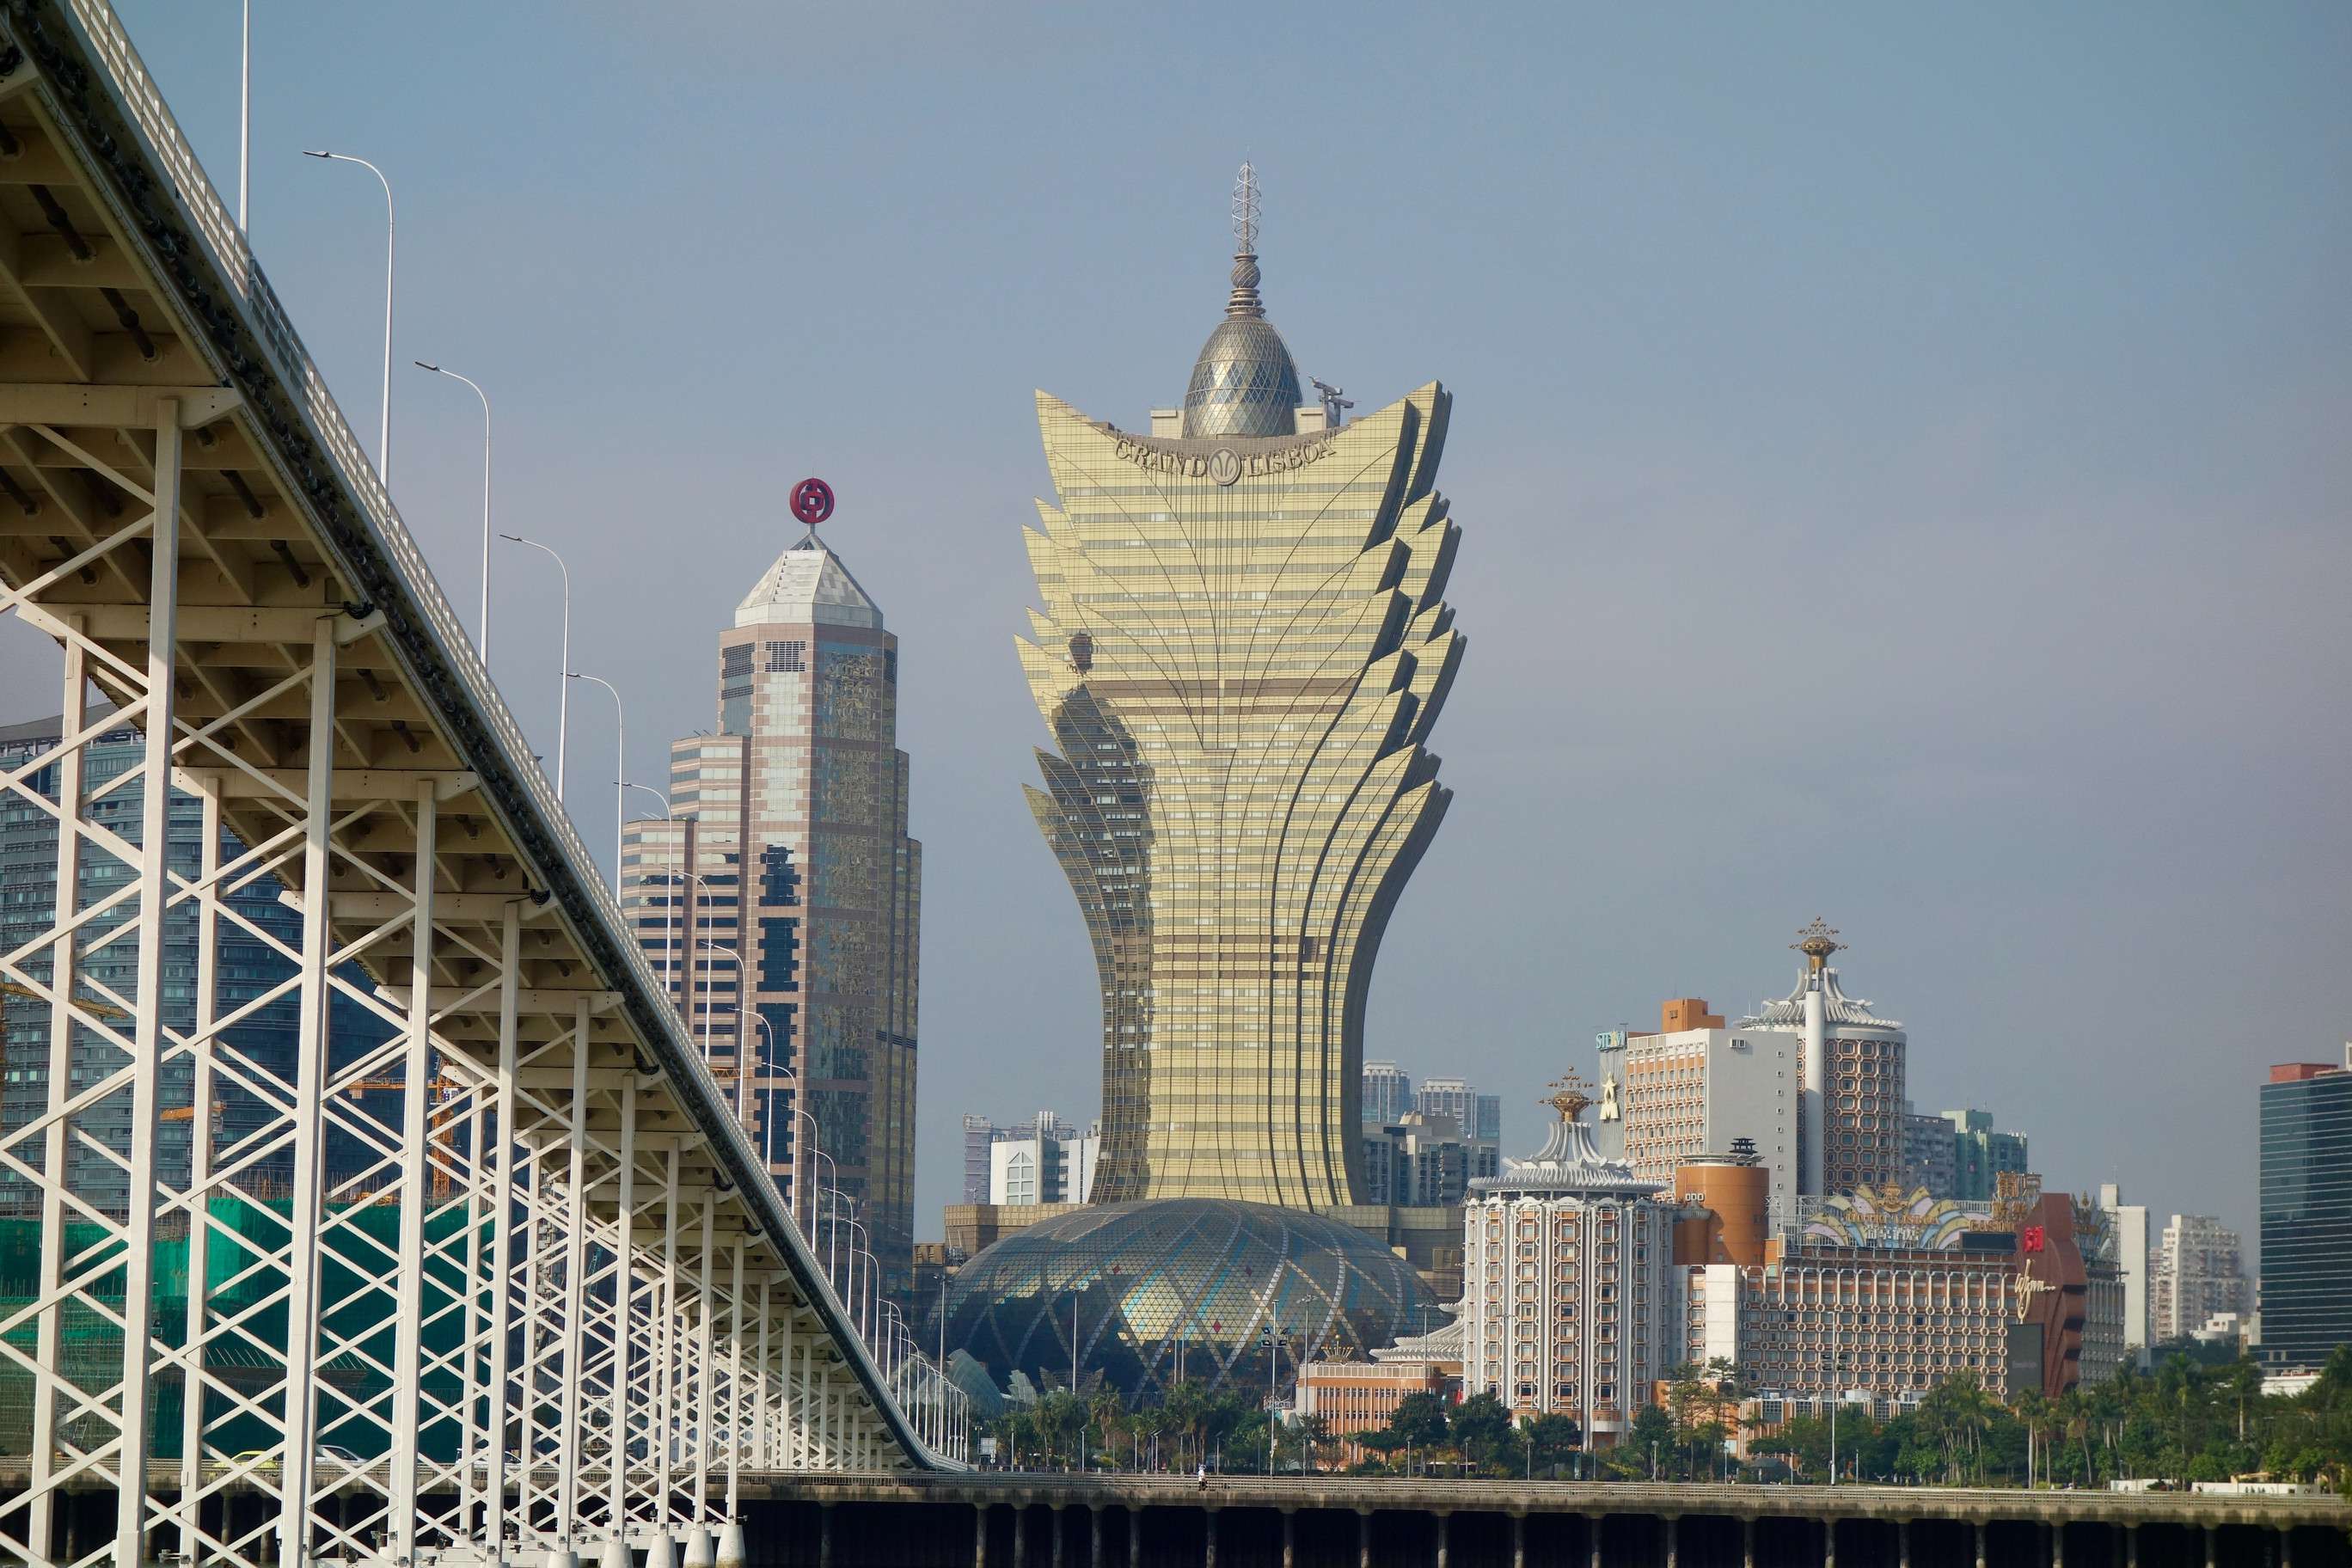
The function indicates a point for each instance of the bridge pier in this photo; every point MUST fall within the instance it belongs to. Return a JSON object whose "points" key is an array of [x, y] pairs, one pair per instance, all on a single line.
{"points": [[1592, 1523], [1673, 1538], [2212, 1547], [1902, 1544], [1209, 1552], [1829, 1544], [1289, 1539], [1444, 1521], [979, 1535], [1054, 1522], [1094, 1537], [1518, 1541], [1363, 1538], [1748, 1543], [1978, 1526]]}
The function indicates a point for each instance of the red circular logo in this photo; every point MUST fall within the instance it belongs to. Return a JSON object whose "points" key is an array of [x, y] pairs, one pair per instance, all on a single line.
{"points": [[812, 502]]}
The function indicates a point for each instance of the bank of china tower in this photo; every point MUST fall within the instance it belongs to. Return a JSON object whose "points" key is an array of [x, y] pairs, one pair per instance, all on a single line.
{"points": [[1242, 648]]}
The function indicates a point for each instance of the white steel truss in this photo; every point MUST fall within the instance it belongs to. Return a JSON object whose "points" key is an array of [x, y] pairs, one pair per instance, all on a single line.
{"points": [[486, 1259]]}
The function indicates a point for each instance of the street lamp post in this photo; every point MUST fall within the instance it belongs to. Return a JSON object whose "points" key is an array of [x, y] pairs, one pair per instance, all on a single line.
{"points": [[383, 437], [482, 630], [620, 768], [563, 696], [742, 990]]}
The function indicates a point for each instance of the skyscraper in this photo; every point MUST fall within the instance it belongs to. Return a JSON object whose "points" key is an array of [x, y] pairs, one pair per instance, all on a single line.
{"points": [[2306, 1193], [2131, 1262], [2196, 1274], [1853, 1063], [784, 878], [1692, 1088], [1388, 1093], [1242, 651]]}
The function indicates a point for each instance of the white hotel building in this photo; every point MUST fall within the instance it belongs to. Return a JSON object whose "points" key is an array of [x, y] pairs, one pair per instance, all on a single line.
{"points": [[1570, 1303]]}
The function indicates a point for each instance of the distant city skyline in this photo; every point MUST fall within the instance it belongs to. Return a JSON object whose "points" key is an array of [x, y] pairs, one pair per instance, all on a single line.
{"points": [[1963, 348]]}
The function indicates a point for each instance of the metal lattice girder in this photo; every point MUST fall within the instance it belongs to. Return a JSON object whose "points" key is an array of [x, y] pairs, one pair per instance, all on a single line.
{"points": [[486, 1255]]}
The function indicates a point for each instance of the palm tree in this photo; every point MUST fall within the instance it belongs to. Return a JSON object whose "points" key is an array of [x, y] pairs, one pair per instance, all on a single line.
{"points": [[2035, 1410], [2074, 1413]]}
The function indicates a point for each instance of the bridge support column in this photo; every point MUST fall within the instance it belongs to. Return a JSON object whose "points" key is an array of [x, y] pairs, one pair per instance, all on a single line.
{"points": [[979, 1535], [1980, 1532], [2058, 1544], [1054, 1523], [699, 1553], [1020, 1531], [2286, 1546], [1592, 1523], [1829, 1544], [1518, 1541], [1673, 1539], [2131, 1546], [2212, 1545], [1902, 1544], [660, 1551], [1209, 1553], [1748, 1543], [1444, 1527], [617, 1551], [1363, 1538], [1289, 1539], [825, 1535], [1093, 1535]]}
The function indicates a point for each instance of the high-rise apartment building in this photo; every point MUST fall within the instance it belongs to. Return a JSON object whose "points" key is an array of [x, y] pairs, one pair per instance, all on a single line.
{"points": [[1388, 1095], [1042, 1161], [1853, 1063], [1569, 1300], [1243, 647], [1416, 1161], [1479, 1117], [1694, 1087], [2306, 1211], [780, 900], [2130, 1222], [2195, 1273], [1982, 1153], [1928, 1154]]}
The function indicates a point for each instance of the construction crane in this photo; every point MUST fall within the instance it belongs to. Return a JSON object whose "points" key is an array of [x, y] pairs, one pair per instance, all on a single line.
{"points": [[87, 1004]]}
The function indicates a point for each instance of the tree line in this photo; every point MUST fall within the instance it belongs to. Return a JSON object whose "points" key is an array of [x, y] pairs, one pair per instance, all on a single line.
{"points": [[2186, 1420]]}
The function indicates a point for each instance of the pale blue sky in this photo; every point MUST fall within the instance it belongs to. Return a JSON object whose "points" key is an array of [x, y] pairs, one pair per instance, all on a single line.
{"points": [[1902, 460]]}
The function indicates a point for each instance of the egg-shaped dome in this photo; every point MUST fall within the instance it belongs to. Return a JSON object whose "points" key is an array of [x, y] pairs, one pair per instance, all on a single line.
{"points": [[1180, 1287], [1243, 383]]}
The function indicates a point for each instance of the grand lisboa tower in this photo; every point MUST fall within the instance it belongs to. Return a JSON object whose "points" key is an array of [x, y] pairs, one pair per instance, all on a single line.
{"points": [[1241, 650]]}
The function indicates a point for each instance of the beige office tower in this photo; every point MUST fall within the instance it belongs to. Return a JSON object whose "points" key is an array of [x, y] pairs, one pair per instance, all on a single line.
{"points": [[1242, 651], [784, 880]]}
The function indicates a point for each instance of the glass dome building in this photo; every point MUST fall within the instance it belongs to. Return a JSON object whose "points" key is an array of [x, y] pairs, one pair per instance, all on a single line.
{"points": [[1181, 1288]]}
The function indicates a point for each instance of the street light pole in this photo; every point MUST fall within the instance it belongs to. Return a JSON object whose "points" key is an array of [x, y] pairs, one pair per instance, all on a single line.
{"points": [[383, 437], [482, 629], [620, 769], [563, 699], [245, 128]]}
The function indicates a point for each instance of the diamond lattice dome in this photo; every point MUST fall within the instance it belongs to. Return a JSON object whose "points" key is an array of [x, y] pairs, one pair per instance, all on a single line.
{"points": [[1195, 1280], [1243, 383]]}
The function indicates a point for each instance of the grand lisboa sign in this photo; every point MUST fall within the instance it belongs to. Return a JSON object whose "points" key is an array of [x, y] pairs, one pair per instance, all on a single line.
{"points": [[1224, 466]]}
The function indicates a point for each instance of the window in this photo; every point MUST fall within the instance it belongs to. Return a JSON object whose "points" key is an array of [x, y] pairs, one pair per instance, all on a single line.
{"points": [[787, 658]]}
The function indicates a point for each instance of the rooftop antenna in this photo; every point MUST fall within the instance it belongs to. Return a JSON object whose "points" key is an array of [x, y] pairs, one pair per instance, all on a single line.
{"points": [[1244, 301], [1334, 405]]}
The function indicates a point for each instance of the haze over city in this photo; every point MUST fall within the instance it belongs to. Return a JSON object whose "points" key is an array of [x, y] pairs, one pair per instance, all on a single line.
{"points": [[1901, 472]]}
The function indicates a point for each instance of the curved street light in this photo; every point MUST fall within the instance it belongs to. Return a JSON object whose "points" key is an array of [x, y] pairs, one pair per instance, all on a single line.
{"points": [[620, 768], [563, 697], [383, 437]]}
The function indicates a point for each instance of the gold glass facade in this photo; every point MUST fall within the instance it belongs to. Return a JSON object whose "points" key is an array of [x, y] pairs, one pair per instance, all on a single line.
{"points": [[1243, 647]]}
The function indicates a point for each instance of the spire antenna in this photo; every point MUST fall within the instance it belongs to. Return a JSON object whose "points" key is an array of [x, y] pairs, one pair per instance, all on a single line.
{"points": [[1243, 301]]}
